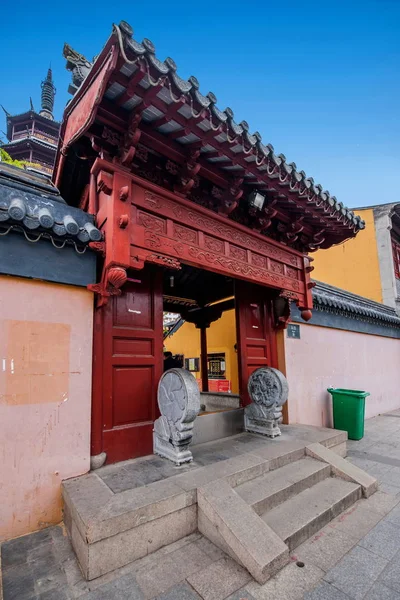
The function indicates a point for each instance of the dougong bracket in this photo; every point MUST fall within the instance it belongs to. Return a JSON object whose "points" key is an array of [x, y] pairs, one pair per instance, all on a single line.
{"points": [[130, 140], [188, 172]]}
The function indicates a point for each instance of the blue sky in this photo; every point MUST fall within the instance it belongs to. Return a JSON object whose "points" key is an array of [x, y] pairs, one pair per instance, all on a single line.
{"points": [[319, 80]]}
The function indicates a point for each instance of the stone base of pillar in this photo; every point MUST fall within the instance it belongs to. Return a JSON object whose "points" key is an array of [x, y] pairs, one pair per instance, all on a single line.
{"points": [[177, 453], [97, 461], [265, 427]]}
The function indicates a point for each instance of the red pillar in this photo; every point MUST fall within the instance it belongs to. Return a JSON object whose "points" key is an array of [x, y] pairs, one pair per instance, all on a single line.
{"points": [[203, 358]]}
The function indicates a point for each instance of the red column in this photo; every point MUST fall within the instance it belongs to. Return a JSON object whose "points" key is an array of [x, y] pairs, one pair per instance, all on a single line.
{"points": [[203, 359]]}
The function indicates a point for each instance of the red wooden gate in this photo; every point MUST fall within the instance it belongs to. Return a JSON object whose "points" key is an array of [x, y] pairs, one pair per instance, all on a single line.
{"points": [[255, 333], [128, 365]]}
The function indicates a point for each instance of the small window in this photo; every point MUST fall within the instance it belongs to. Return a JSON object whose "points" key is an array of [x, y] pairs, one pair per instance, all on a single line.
{"points": [[216, 365], [192, 365]]}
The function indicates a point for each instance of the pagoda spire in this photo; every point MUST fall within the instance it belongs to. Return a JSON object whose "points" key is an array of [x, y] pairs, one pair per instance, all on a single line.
{"points": [[48, 93]]}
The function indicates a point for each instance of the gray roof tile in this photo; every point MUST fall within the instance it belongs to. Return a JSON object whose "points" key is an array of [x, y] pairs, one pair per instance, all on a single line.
{"points": [[31, 203]]}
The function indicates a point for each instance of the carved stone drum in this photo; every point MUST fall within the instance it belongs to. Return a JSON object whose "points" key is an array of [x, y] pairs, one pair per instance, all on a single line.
{"points": [[268, 389], [179, 403]]}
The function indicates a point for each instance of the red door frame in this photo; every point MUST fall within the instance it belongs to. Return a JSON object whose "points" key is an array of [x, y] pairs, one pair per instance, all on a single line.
{"points": [[127, 366], [143, 226], [256, 334]]}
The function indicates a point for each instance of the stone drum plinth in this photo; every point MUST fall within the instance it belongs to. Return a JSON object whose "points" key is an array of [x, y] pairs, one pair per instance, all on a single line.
{"points": [[179, 403], [268, 389]]}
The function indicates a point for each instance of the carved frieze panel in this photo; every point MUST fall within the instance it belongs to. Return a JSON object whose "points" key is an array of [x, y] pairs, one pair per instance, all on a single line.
{"points": [[214, 226], [276, 267], [258, 261], [213, 244], [151, 222], [165, 227], [185, 234], [238, 253]]}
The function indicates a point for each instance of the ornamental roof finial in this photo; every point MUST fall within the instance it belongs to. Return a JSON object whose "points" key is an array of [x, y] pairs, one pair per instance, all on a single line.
{"points": [[48, 93]]}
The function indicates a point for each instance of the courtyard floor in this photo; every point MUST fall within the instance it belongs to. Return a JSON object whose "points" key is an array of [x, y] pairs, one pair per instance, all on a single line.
{"points": [[356, 556]]}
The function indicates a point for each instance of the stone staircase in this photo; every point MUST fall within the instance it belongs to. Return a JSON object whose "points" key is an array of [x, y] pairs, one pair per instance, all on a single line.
{"points": [[299, 499], [257, 506]]}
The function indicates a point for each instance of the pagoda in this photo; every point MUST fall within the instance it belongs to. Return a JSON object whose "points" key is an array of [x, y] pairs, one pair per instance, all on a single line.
{"points": [[33, 136]]}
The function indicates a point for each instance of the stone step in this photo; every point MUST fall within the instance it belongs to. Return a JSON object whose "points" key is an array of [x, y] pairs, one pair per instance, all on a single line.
{"points": [[275, 487], [300, 517]]}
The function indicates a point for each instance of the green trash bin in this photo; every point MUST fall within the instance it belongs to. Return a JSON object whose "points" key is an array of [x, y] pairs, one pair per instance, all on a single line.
{"points": [[349, 411]]}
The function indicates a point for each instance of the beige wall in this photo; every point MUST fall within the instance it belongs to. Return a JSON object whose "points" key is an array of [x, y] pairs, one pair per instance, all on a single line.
{"points": [[45, 397], [325, 357]]}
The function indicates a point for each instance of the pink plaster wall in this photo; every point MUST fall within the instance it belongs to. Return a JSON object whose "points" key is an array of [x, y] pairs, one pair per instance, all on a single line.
{"points": [[325, 357], [45, 398]]}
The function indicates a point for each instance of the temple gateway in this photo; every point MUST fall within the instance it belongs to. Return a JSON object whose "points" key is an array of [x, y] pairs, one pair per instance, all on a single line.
{"points": [[198, 216]]}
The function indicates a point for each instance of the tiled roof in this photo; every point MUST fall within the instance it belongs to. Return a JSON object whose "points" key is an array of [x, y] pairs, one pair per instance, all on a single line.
{"points": [[332, 299], [32, 140], [31, 204], [248, 144], [175, 108]]}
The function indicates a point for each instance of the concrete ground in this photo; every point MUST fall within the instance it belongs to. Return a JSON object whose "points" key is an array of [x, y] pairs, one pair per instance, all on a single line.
{"points": [[356, 556]]}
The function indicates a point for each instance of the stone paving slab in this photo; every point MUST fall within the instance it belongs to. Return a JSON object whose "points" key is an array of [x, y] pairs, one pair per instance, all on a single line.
{"points": [[356, 573], [220, 579]]}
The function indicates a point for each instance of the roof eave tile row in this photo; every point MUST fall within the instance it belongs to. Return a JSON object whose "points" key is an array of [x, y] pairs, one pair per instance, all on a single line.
{"points": [[330, 298], [32, 212]]}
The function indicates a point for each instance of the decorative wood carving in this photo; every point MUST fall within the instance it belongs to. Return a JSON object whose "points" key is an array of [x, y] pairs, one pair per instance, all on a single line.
{"points": [[99, 247], [176, 228], [164, 261], [188, 172], [124, 193], [113, 279], [228, 200], [123, 221], [168, 230], [130, 140], [105, 182], [110, 136]]}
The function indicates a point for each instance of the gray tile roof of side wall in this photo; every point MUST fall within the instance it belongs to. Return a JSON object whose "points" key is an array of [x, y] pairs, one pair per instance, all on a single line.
{"points": [[331, 299], [32, 205]]}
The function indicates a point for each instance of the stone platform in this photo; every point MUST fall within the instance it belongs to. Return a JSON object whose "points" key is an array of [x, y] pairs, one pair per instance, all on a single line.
{"points": [[253, 497]]}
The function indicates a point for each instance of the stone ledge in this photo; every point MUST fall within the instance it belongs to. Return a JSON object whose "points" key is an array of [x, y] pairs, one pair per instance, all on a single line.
{"points": [[99, 514], [344, 469], [239, 531]]}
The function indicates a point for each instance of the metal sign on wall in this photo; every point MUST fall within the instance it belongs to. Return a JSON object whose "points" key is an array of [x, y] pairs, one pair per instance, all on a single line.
{"points": [[293, 331]]}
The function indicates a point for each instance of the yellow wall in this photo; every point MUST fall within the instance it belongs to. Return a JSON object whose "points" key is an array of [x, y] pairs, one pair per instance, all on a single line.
{"points": [[354, 265], [221, 337]]}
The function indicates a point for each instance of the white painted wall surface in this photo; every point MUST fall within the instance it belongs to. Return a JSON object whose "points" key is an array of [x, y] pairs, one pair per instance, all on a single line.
{"points": [[45, 398], [325, 357]]}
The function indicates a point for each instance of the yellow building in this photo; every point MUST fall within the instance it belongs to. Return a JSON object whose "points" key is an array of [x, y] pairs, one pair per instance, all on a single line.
{"points": [[221, 345], [368, 264]]}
